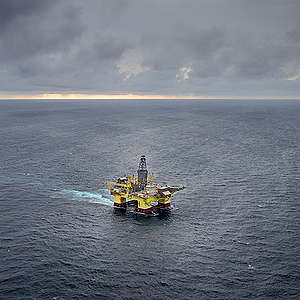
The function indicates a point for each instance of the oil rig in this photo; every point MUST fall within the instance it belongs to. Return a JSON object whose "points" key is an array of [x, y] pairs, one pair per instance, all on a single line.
{"points": [[141, 193]]}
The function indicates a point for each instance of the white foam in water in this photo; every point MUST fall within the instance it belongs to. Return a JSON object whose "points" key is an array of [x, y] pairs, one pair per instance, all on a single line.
{"points": [[90, 197]]}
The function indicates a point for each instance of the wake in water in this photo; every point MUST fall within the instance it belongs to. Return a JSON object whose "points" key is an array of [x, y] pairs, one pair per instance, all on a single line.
{"points": [[30, 179], [92, 197]]}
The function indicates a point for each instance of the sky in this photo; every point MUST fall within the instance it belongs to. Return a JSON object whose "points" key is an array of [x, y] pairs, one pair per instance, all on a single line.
{"points": [[150, 48]]}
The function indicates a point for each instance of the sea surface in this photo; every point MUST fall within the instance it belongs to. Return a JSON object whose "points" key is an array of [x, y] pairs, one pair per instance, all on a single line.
{"points": [[233, 233]]}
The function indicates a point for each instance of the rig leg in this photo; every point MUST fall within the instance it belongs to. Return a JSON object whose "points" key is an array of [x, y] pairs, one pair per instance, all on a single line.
{"points": [[144, 208], [165, 206], [119, 202], [165, 203]]}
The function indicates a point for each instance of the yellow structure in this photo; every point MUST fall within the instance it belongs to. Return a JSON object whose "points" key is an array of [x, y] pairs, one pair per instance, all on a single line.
{"points": [[142, 193]]}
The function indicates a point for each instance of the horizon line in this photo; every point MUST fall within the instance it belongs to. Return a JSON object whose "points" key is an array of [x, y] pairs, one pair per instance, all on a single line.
{"points": [[78, 96]]}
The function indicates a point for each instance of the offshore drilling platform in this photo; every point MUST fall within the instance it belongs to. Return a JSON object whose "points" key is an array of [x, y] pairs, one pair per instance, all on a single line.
{"points": [[141, 193]]}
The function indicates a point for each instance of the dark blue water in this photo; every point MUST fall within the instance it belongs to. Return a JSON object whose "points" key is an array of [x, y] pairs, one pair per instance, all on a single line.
{"points": [[234, 231]]}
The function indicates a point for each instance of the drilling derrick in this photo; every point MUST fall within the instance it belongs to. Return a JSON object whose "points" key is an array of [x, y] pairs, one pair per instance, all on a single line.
{"points": [[142, 171], [147, 197]]}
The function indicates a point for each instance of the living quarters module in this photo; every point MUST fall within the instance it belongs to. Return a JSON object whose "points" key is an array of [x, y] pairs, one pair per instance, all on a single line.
{"points": [[141, 193]]}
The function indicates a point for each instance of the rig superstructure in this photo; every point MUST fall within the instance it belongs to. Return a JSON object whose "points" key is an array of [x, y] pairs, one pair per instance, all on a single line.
{"points": [[141, 193]]}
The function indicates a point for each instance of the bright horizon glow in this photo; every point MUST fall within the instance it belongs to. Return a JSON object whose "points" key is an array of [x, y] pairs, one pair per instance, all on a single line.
{"points": [[75, 96]]}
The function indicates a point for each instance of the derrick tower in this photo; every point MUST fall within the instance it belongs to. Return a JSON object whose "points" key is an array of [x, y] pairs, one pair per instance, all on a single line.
{"points": [[142, 171]]}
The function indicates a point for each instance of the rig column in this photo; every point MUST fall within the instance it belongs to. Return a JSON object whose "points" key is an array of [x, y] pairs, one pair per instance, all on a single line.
{"points": [[165, 203], [144, 207], [119, 202]]}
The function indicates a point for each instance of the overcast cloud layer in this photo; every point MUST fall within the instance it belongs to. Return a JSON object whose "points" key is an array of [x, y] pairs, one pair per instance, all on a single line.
{"points": [[171, 47]]}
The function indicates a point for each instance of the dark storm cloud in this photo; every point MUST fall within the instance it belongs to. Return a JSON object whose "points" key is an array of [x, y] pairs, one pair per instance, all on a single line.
{"points": [[12, 9], [171, 46], [293, 36], [32, 28]]}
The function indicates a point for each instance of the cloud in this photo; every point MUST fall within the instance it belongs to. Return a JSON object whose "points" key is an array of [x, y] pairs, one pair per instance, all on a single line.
{"points": [[291, 71], [295, 76], [149, 46], [11, 10], [33, 30], [183, 73], [130, 65]]}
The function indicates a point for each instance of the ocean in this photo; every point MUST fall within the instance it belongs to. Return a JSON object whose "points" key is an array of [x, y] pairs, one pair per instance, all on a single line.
{"points": [[233, 233]]}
